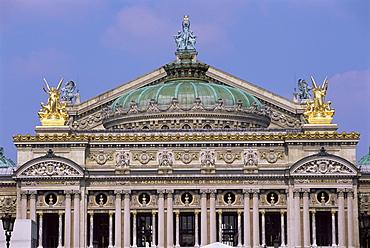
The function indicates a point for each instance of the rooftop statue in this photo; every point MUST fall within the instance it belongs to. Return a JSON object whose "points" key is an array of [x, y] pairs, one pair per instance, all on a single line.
{"points": [[68, 91], [54, 112], [304, 89], [318, 111], [185, 39]]}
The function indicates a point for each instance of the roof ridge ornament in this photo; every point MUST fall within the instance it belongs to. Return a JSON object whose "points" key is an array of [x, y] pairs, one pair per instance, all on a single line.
{"points": [[185, 39]]}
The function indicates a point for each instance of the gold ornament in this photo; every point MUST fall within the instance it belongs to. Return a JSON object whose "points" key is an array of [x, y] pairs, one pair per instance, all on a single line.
{"points": [[54, 112], [318, 111]]}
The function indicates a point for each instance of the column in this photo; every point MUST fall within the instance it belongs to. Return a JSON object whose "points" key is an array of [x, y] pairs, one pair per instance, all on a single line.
{"points": [[154, 242], [341, 227], [350, 218], [334, 244], [282, 220], [263, 223], [60, 230], [161, 218], [76, 218], [24, 204], [118, 219], [219, 226], [247, 219], [126, 220], [256, 228], [306, 219], [111, 230], [239, 229], [297, 215], [212, 216], [33, 194], [196, 224], [91, 230], [177, 229], [134, 230], [67, 219], [170, 218], [203, 216], [40, 230], [313, 212]]}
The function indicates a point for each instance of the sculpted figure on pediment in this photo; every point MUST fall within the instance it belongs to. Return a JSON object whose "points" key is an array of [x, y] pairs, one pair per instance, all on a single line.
{"points": [[322, 166], [50, 168]]}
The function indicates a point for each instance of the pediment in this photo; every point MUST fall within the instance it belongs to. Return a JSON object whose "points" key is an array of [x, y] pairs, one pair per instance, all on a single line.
{"points": [[50, 167], [324, 166]]}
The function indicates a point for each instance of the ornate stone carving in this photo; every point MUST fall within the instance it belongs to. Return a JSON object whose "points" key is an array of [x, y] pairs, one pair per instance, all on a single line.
{"points": [[122, 158], [101, 157], [322, 166], [229, 156], [250, 157], [272, 156], [165, 158], [186, 157], [144, 157], [50, 168], [364, 202], [8, 204], [207, 157]]}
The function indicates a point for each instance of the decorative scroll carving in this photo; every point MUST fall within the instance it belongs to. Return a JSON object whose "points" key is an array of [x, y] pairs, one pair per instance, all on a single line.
{"points": [[186, 157], [250, 157], [101, 157], [272, 156], [50, 168], [144, 157], [122, 158], [229, 157], [8, 204], [165, 158], [322, 166], [207, 157]]}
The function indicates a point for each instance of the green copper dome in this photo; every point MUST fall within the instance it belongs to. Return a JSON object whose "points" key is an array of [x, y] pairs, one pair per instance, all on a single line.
{"points": [[365, 160], [5, 162], [186, 92]]}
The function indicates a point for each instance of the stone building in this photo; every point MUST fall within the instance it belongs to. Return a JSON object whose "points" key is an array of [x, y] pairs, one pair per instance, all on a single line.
{"points": [[184, 156]]}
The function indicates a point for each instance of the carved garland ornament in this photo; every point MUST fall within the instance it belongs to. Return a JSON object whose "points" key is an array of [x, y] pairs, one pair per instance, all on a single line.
{"points": [[272, 156], [186, 157], [144, 157], [50, 168], [229, 157], [101, 157], [8, 204]]}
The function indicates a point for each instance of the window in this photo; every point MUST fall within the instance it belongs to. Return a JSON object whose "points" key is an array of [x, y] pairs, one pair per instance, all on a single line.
{"points": [[187, 229], [229, 229], [144, 230]]}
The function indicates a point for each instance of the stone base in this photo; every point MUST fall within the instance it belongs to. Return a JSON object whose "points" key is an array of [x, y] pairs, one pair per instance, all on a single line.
{"points": [[123, 170], [52, 130], [208, 170], [251, 169], [165, 170], [321, 128]]}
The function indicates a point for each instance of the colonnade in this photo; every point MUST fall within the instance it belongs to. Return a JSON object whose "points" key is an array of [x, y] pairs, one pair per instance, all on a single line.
{"points": [[249, 224]]}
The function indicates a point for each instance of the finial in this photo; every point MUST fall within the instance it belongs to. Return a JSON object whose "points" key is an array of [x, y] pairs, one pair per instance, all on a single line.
{"points": [[186, 18], [185, 39]]}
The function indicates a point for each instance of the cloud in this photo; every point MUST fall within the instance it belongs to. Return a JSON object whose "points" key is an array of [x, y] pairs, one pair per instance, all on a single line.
{"points": [[48, 62]]}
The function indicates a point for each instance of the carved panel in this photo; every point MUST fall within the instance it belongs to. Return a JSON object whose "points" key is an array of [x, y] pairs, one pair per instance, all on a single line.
{"points": [[122, 158], [323, 167], [272, 156], [250, 157], [229, 156], [144, 157], [49, 169], [186, 157], [101, 157]]}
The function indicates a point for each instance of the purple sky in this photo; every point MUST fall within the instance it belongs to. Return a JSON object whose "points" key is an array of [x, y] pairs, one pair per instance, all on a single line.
{"points": [[103, 44]]}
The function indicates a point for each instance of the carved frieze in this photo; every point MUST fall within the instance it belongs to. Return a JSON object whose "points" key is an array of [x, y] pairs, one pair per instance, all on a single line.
{"points": [[207, 157], [186, 157], [101, 157], [250, 157], [165, 158], [50, 168], [8, 204], [122, 158], [272, 156], [322, 167], [229, 156], [144, 157]]}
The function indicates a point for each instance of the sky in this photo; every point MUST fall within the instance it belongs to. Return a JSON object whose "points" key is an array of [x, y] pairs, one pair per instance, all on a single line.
{"points": [[103, 44]]}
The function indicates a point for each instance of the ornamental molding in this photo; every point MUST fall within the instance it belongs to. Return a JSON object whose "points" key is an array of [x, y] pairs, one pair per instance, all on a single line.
{"points": [[49, 168], [272, 156], [100, 157], [123, 158], [186, 157], [186, 137], [165, 158], [250, 157], [323, 167], [8, 204], [207, 157], [229, 157], [144, 157], [109, 183]]}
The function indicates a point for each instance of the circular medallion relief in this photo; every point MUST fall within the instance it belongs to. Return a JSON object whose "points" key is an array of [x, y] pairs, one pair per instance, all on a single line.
{"points": [[186, 198], [144, 198], [51, 199], [322, 197], [229, 198], [272, 197], [101, 199]]}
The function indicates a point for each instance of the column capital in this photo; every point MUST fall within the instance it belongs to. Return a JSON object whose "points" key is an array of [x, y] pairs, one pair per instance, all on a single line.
{"points": [[161, 193], [24, 194], [196, 212], [350, 192], [340, 192], [240, 212], [127, 193], [154, 213], [169, 193], [40, 214], [296, 192], [219, 211], [32, 193], [134, 213], [118, 192], [282, 213], [76, 192], [177, 212], [333, 212], [212, 193], [68, 192], [263, 212]]}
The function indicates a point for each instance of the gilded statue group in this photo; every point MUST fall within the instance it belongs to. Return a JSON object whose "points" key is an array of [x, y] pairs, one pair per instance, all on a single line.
{"points": [[185, 39], [318, 108], [53, 109]]}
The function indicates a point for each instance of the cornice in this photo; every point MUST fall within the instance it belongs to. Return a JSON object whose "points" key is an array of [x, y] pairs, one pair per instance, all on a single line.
{"points": [[187, 137]]}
